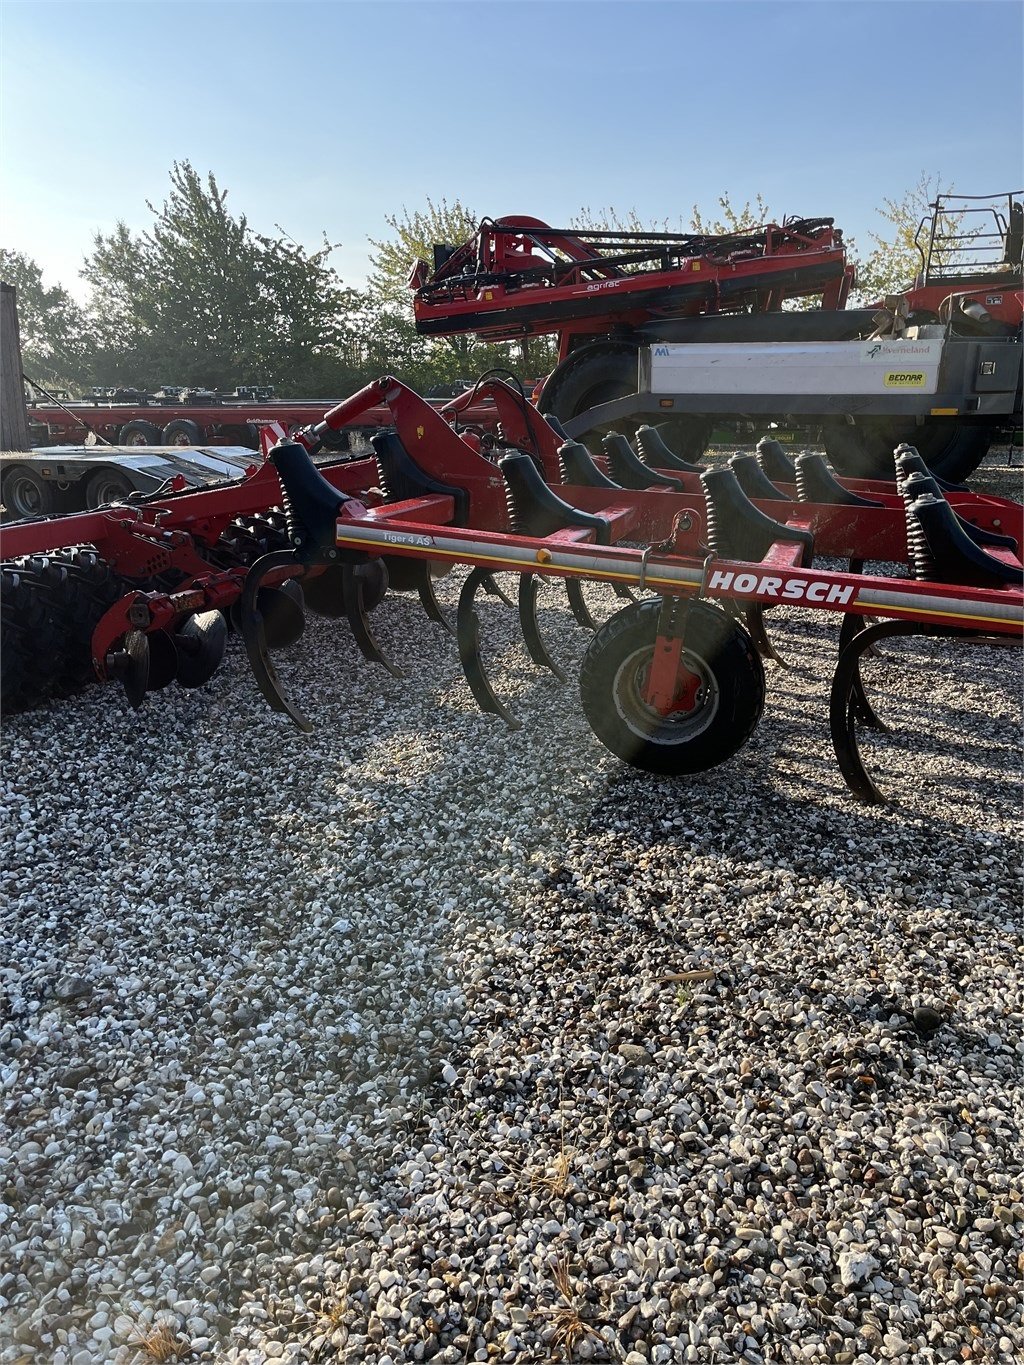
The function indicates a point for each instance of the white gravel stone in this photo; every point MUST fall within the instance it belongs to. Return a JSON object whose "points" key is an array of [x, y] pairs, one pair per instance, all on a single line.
{"points": [[417, 1039]]}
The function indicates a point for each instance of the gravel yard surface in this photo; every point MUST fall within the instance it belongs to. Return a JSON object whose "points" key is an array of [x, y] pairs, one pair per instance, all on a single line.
{"points": [[419, 1039]]}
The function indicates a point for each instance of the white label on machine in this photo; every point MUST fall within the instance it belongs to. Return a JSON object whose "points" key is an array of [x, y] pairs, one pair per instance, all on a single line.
{"points": [[796, 367]]}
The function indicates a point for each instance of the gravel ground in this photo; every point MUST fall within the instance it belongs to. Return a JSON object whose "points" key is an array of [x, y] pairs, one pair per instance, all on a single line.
{"points": [[419, 1039]]}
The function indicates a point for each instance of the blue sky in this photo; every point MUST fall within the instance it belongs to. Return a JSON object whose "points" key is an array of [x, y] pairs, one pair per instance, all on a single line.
{"points": [[327, 117]]}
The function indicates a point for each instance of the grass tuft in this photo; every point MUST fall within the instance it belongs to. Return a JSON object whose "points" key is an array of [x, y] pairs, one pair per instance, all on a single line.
{"points": [[570, 1327], [158, 1343]]}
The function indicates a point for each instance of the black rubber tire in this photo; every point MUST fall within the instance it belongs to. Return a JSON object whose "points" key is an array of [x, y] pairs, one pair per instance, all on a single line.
{"points": [[25, 641], [688, 436], [140, 433], [729, 702], [595, 374], [105, 486], [181, 432], [25, 494], [951, 450], [48, 621]]}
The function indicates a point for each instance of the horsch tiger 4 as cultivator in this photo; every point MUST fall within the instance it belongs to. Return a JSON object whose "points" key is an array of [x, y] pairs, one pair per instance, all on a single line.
{"points": [[673, 683]]}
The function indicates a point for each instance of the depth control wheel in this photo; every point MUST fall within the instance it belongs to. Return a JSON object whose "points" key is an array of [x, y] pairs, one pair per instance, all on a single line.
{"points": [[718, 700]]}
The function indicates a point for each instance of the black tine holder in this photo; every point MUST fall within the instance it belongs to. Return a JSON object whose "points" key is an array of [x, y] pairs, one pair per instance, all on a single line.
{"points": [[629, 471], [577, 466], [737, 529], [815, 482], [654, 452], [536, 510], [774, 461], [754, 481]]}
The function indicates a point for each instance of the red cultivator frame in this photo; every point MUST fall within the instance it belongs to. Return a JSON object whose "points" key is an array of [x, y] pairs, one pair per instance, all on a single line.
{"points": [[674, 682]]}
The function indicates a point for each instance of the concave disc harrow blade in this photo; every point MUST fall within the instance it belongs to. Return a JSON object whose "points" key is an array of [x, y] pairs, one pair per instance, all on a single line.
{"points": [[325, 594], [468, 635], [163, 660], [130, 665], [200, 645], [282, 610], [251, 623], [528, 588]]}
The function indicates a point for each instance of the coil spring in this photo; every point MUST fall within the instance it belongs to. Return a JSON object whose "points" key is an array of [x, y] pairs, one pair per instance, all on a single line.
{"points": [[919, 554]]}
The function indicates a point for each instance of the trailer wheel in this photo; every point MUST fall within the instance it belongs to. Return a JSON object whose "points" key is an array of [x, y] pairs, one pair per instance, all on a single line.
{"points": [[687, 436], [25, 494], [106, 485], [139, 433], [181, 432], [723, 701], [594, 374], [865, 451]]}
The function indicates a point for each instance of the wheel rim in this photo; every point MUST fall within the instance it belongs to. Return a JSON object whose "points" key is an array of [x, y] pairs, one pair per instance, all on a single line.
{"points": [[698, 699], [108, 490], [26, 497], [180, 438]]}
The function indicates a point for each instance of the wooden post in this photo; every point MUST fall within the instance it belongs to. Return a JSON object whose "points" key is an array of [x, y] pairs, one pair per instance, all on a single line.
{"points": [[13, 414]]}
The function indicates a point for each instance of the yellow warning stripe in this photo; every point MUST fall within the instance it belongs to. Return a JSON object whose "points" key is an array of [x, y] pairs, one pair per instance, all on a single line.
{"points": [[528, 566], [892, 609]]}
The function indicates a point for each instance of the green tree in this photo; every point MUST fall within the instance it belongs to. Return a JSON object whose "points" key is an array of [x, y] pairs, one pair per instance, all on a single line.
{"points": [[57, 342], [894, 260], [202, 298], [732, 220]]}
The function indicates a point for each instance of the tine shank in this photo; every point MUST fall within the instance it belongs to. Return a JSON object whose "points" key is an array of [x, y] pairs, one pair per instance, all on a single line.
{"points": [[468, 635]]}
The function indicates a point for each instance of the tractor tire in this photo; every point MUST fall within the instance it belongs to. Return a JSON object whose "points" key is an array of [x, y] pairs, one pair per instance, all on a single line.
{"points": [[950, 450], [595, 374], [724, 712], [25, 494], [687, 436], [51, 605], [107, 486], [181, 432], [139, 433], [26, 640]]}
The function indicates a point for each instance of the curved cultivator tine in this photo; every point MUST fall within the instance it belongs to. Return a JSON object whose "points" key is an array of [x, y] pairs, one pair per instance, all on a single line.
{"points": [[753, 619], [627, 594], [528, 586], [468, 635], [492, 588], [253, 628], [848, 705], [428, 598], [852, 628], [355, 610], [577, 604]]}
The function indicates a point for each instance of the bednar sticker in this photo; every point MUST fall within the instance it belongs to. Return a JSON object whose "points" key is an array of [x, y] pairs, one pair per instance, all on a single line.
{"points": [[905, 379]]}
